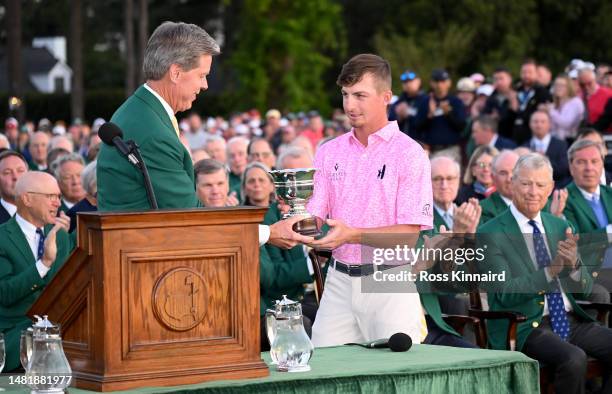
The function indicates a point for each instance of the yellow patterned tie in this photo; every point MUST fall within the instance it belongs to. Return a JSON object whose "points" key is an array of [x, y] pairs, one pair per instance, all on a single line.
{"points": [[175, 124]]}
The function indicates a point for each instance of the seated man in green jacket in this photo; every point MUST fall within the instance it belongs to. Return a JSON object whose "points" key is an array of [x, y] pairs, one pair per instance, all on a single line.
{"points": [[33, 246], [531, 259], [465, 220]]}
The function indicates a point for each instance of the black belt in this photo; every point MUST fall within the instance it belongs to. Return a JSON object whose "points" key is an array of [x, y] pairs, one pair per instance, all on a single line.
{"points": [[360, 269]]}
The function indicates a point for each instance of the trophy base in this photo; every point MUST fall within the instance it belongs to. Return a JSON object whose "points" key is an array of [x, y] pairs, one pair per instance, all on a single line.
{"points": [[307, 227]]}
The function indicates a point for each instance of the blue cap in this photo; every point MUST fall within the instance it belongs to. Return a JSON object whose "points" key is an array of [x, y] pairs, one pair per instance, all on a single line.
{"points": [[408, 76]]}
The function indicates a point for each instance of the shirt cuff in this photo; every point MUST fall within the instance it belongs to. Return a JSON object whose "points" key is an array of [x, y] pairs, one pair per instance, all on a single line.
{"points": [[42, 269], [576, 275], [264, 234], [549, 277], [609, 231]]}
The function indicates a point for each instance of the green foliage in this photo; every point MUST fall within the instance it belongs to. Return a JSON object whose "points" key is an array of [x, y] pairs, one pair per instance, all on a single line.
{"points": [[450, 46], [283, 49], [464, 37]]}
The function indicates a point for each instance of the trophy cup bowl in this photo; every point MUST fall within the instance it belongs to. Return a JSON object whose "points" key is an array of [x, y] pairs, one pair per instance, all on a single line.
{"points": [[295, 186]]}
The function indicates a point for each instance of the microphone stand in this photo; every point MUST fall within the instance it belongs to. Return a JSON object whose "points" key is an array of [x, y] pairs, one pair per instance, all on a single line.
{"points": [[145, 173]]}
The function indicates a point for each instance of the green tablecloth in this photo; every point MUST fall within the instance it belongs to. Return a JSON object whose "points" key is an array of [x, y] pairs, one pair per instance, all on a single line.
{"points": [[423, 369]]}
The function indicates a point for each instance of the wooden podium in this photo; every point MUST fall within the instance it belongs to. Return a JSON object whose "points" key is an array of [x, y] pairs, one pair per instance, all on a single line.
{"points": [[160, 298]]}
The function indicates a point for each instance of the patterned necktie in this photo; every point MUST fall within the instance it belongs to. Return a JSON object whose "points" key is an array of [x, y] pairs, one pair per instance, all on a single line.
{"points": [[599, 211], [41, 244], [175, 125], [556, 308]]}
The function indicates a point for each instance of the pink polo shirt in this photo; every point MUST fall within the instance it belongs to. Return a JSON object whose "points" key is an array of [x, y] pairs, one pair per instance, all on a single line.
{"points": [[386, 183]]}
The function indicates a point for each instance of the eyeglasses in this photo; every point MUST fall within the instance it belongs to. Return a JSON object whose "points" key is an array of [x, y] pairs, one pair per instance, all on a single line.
{"points": [[482, 164], [50, 196], [440, 179]]}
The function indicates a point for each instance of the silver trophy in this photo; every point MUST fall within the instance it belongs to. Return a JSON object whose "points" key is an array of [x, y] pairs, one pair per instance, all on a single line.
{"points": [[295, 186]]}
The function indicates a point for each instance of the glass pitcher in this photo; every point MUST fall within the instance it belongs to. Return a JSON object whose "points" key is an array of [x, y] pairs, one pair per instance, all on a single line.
{"points": [[48, 369], [290, 347]]}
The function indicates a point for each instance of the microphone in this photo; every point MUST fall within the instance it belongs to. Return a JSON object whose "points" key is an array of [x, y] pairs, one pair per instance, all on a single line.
{"points": [[112, 135], [398, 342]]}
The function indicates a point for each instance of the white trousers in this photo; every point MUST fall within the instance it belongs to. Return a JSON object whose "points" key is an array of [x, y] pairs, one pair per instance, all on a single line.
{"points": [[347, 315]]}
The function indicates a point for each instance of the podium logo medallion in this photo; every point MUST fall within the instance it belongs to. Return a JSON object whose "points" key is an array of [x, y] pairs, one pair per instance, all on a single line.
{"points": [[179, 299]]}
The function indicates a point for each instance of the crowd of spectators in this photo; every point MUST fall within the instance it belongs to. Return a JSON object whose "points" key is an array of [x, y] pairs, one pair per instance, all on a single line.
{"points": [[474, 134]]}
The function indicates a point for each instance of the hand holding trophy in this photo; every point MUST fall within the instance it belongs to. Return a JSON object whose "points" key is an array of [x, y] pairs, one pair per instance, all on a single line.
{"points": [[295, 186]]}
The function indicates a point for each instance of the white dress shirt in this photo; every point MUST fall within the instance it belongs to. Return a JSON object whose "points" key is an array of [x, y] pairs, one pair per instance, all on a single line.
{"points": [[506, 199], [540, 145], [29, 231], [527, 231], [10, 208], [163, 102]]}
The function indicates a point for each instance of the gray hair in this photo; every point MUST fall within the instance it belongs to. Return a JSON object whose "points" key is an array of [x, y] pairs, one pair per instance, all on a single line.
{"points": [[213, 138], [59, 162], [238, 139], [532, 161], [176, 43], [293, 151], [437, 158], [583, 144], [207, 166], [501, 155], [89, 178]]}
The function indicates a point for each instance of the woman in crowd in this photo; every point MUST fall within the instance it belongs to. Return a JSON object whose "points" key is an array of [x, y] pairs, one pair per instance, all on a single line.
{"points": [[257, 185], [90, 202], [567, 110], [478, 179]]}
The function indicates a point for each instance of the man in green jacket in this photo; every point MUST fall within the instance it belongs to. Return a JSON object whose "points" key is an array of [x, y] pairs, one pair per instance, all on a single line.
{"points": [[536, 254], [33, 246], [589, 208], [176, 63], [435, 297]]}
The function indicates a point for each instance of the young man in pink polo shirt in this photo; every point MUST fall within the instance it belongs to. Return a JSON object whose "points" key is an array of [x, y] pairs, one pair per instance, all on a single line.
{"points": [[372, 180]]}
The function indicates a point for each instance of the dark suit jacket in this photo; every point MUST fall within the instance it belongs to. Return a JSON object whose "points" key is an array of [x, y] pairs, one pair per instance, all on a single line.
{"points": [[504, 143], [120, 186], [20, 282], [525, 285], [4, 215], [557, 154]]}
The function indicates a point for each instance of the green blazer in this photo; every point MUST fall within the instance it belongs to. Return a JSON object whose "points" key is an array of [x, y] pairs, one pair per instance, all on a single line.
{"points": [[491, 207], [281, 271], [593, 240], [20, 282], [525, 286], [120, 186], [63, 207], [234, 185], [429, 297]]}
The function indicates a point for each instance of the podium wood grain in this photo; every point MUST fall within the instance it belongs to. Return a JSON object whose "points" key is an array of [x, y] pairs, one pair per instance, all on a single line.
{"points": [[160, 298]]}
